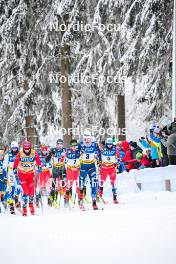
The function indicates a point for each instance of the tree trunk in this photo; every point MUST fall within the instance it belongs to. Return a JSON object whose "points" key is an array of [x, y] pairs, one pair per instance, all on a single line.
{"points": [[30, 130], [121, 115], [66, 92]]}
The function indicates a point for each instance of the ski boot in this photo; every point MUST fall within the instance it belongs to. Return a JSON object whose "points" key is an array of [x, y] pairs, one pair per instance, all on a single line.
{"points": [[31, 207], [66, 199], [17, 203], [37, 201], [99, 195], [52, 197], [81, 205], [101, 192], [50, 201], [80, 200], [24, 211], [98, 198], [12, 208], [94, 205], [84, 190], [115, 198]]}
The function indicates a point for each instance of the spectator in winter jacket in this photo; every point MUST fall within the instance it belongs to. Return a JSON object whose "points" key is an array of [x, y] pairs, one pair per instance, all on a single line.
{"points": [[120, 154], [135, 149], [120, 151], [169, 129], [171, 149], [144, 160], [164, 159], [169, 133], [128, 157], [125, 145], [154, 144], [172, 127]]}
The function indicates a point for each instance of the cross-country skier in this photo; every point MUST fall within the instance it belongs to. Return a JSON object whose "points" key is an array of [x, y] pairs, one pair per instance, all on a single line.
{"points": [[72, 169], [24, 171], [58, 172], [108, 167], [13, 189], [3, 180], [90, 153], [43, 183]]}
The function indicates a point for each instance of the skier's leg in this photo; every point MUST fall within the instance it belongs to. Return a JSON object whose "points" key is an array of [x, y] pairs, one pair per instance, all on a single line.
{"points": [[69, 184], [112, 175], [11, 199], [46, 178], [82, 179], [76, 179], [30, 183], [24, 187], [94, 186], [24, 204], [103, 177]]}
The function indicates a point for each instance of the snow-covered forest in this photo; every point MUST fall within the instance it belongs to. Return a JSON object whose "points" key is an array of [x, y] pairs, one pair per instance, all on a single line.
{"points": [[135, 51]]}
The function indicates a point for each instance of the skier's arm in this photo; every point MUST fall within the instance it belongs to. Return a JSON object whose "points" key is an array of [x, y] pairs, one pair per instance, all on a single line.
{"points": [[5, 165], [38, 161], [16, 162], [98, 152], [144, 143], [15, 166]]}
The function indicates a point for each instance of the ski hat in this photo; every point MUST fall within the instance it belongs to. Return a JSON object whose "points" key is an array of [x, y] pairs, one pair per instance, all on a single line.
{"points": [[60, 141], [139, 155], [109, 141], [14, 144], [156, 130], [26, 145], [44, 148], [152, 127], [73, 143], [133, 144], [87, 134]]}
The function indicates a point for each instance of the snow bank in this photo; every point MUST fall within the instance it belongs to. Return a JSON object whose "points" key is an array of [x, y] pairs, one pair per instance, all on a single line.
{"points": [[157, 179]]}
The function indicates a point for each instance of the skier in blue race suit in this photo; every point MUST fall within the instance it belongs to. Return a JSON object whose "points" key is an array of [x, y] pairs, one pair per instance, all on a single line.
{"points": [[13, 190], [90, 153]]}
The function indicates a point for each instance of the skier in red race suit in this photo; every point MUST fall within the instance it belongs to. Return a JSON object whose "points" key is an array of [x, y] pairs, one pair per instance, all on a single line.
{"points": [[108, 167], [24, 170]]}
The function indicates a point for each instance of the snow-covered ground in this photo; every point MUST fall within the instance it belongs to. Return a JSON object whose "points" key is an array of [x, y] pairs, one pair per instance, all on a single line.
{"points": [[141, 229]]}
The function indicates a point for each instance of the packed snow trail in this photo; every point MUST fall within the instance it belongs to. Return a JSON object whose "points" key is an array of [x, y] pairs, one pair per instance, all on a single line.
{"points": [[142, 229]]}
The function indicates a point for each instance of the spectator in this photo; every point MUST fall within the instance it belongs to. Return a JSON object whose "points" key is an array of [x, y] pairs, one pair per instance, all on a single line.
{"points": [[154, 144], [171, 149]]}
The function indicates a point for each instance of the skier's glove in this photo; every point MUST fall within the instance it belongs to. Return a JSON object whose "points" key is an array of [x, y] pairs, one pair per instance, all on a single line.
{"points": [[18, 181], [5, 181], [15, 172], [39, 169], [18, 188]]}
